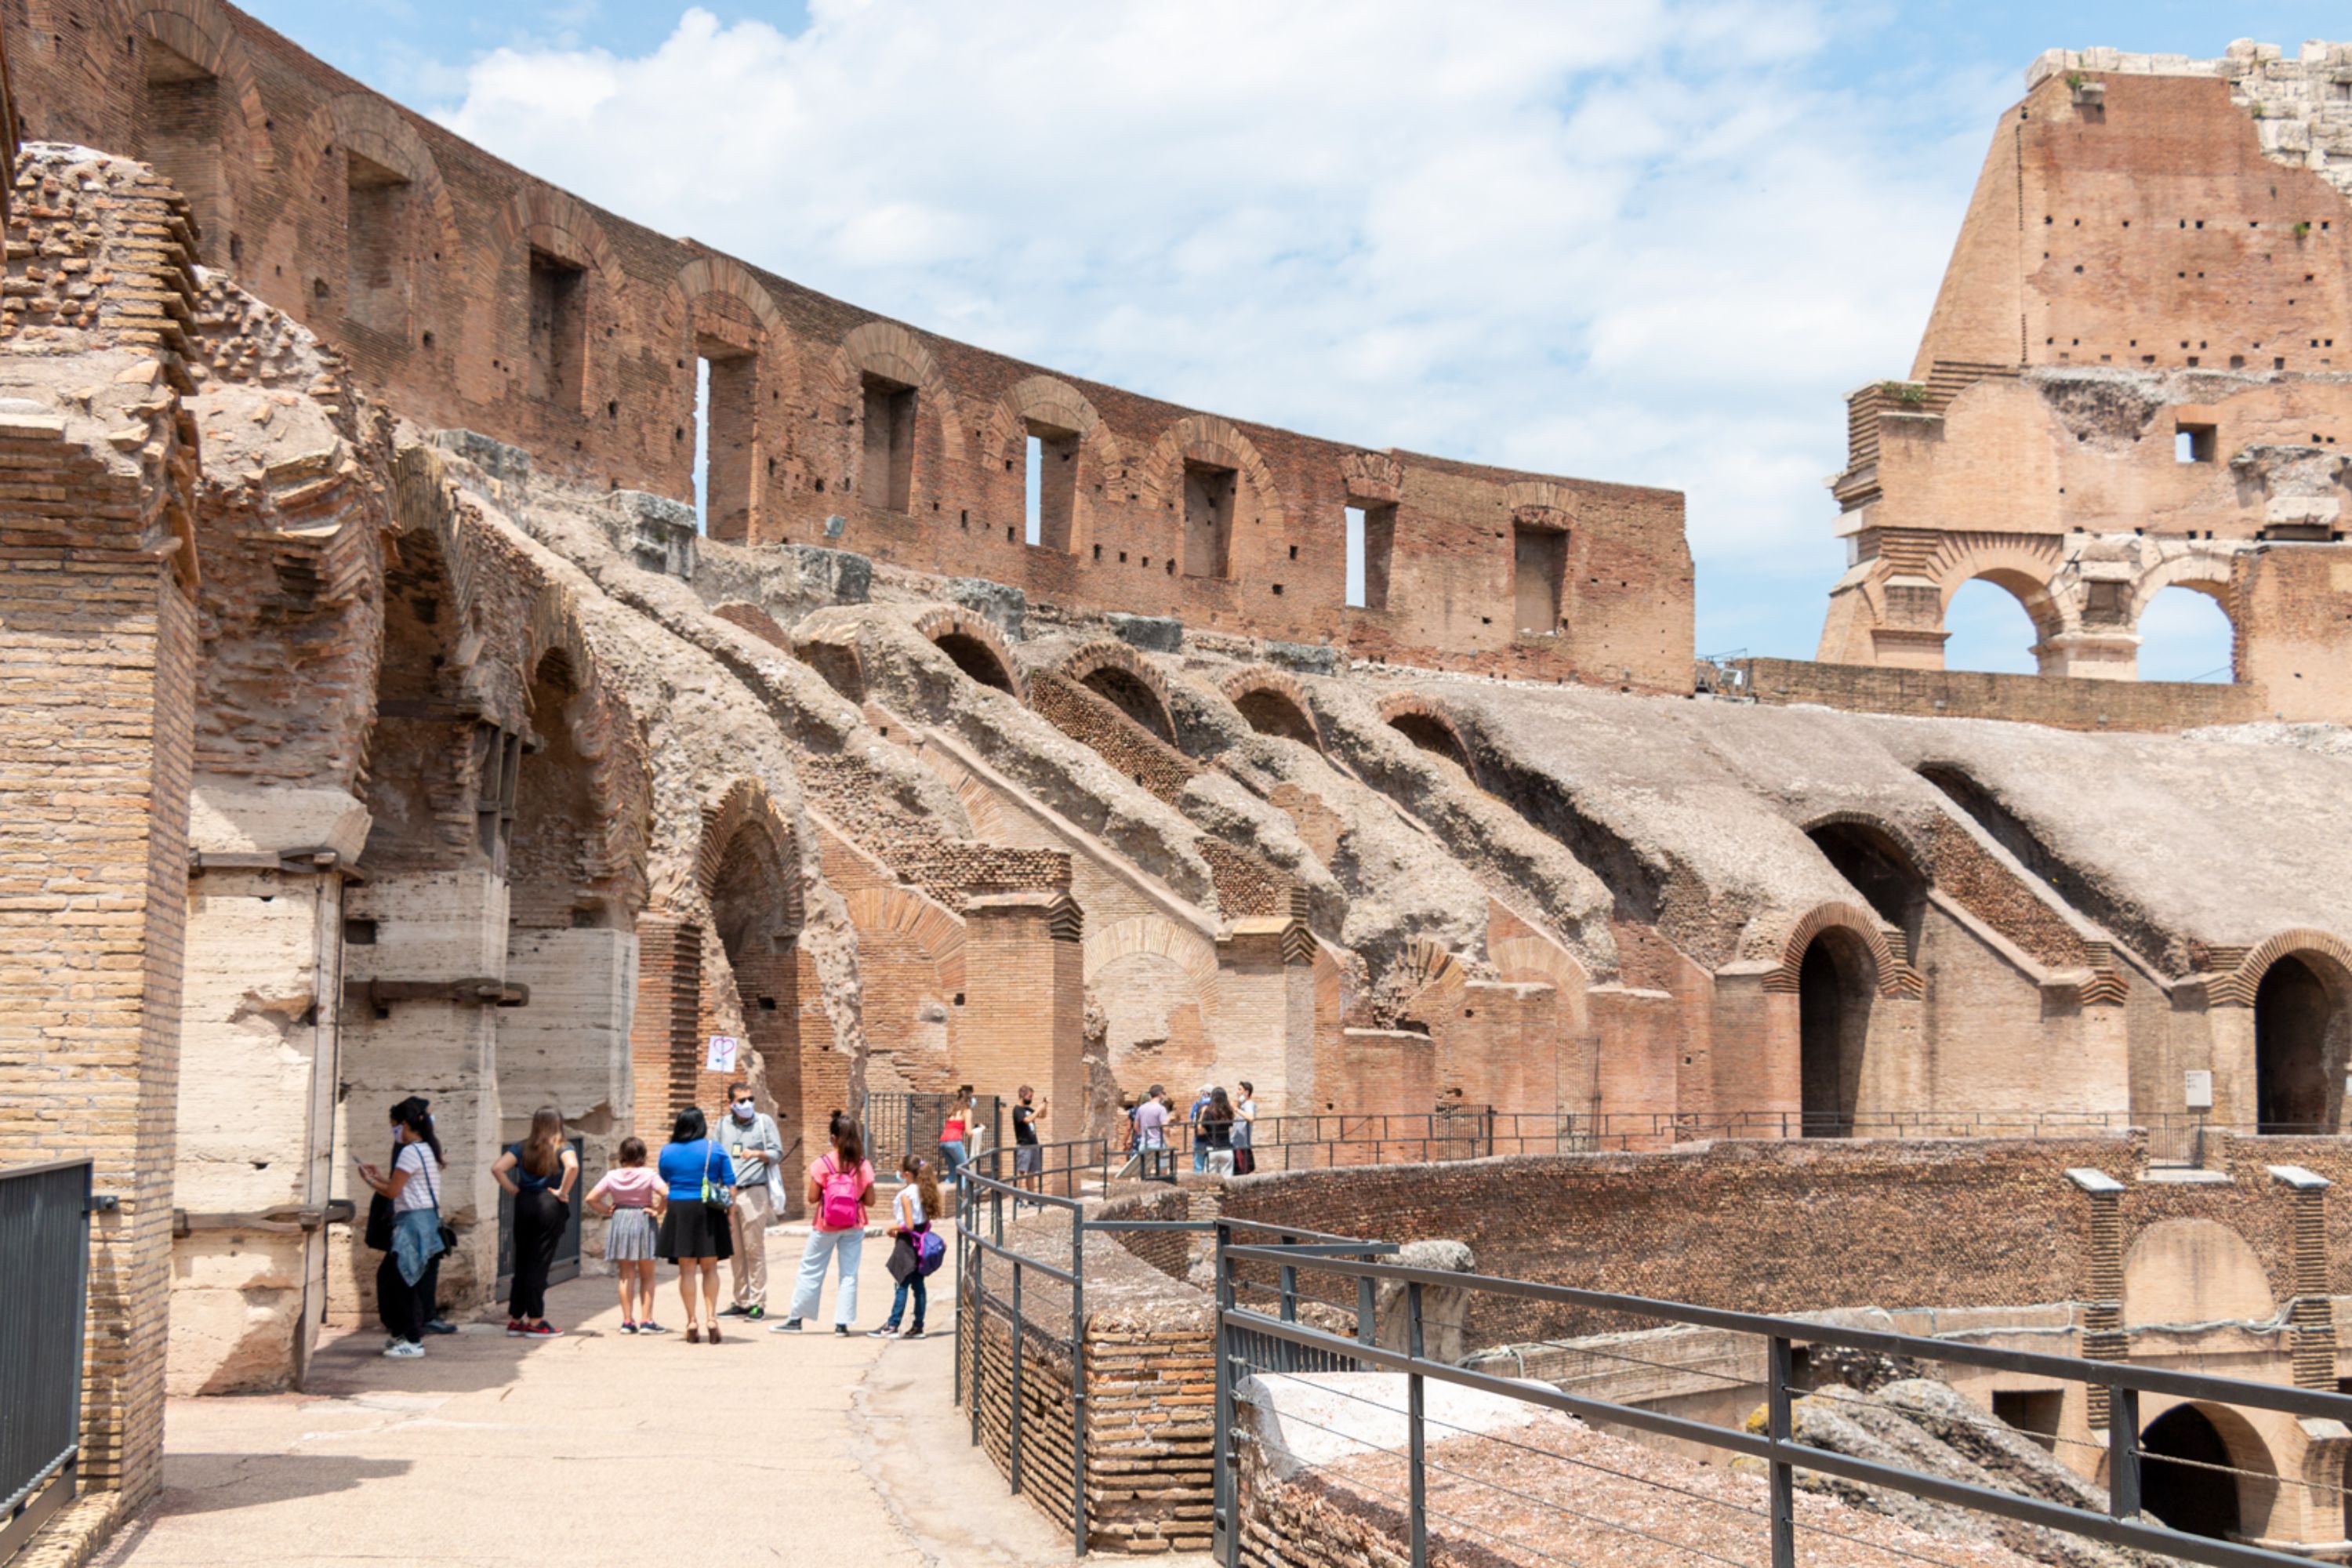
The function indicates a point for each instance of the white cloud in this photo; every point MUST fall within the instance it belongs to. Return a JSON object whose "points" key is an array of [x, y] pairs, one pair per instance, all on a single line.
{"points": [[1624, 240]]}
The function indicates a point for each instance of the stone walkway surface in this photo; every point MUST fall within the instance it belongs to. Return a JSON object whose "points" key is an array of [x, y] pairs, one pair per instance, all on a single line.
{"points": [[598, 1447]]}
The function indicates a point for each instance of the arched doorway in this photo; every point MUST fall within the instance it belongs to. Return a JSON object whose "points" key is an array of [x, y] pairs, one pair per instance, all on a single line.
{"points": [[1836, 982], [2300, 1026], [1131, 697], [975, 659], [2185, 634], [1878, 867], [1994, 622], [2186, 1476]]}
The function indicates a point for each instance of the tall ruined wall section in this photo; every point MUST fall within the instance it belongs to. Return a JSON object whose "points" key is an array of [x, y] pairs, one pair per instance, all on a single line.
{"points": [[477, 296], [2134, 379]]}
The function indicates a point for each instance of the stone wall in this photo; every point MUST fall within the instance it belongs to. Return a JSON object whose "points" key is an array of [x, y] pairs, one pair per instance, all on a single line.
{"points": [[2064, 702]]}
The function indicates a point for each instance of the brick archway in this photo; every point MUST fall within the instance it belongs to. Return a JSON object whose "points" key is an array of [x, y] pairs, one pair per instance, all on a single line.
{"points": [[976, 646], [1124, 678], [1274, 703], [1887, 973], [1428, 725]]}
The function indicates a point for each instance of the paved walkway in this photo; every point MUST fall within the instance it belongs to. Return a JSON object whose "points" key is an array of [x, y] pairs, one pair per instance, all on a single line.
{"points": [[598, 1448]]}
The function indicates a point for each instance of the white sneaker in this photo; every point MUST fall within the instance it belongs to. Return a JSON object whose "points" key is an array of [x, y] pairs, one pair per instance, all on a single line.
{"points": [[405, 1349]]}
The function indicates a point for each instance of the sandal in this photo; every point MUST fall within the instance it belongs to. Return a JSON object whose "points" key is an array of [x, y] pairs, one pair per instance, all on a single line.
{"points": [[693, 1334], [714, 1333]]}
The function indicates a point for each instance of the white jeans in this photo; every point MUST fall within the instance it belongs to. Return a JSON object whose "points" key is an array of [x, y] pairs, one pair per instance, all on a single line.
{"points": [[823, 1246]]}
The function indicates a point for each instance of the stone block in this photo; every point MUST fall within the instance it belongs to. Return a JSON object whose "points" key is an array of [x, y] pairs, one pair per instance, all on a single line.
{"points": [[836, 577], [1153, 633]]}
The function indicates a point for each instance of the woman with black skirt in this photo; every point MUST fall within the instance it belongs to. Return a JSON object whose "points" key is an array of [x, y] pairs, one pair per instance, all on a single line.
{"points": [[695, 1232], [538, 1173]]}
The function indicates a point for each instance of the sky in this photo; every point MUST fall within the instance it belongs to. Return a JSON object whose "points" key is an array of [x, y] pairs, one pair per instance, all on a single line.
{"points": [[1652, 241]]}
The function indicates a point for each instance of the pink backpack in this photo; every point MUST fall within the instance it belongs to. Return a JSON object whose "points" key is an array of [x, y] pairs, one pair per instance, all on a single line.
{"points": [[839, 1191]]}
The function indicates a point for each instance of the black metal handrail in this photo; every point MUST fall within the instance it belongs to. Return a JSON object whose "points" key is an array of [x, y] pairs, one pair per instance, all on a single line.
{"points": [[1241, 1329], [45, 1258]]}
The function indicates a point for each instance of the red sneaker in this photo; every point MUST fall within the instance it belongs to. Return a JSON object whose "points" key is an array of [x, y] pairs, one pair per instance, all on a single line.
{"points": [[541, 1332], [514, 1326]]}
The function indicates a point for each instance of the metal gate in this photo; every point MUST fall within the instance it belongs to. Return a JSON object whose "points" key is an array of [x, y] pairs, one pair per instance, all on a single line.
{"points": [[44, 1259]]}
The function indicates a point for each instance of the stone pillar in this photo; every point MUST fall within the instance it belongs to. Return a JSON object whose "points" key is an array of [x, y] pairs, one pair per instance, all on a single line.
{"points": [[1263, 1028], [446, 930], [2104, 1338], [2090, 654], [97, 648], [1024, 1013], [260, 1031], [2312, 1309]]}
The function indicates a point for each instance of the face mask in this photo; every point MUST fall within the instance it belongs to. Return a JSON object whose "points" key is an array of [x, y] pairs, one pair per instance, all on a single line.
{"points": [[742, 1110]]}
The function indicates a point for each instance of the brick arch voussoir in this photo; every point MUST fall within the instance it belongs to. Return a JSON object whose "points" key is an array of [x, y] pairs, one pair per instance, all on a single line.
{"points": [[363, 123], [561, 224], [1412, 704], [2209, 571], [1888, 975], [1542, 498], [894, 353], [932, 928], [1372, 477], [1522, 958], [747, 804], [203, 32], [720, 276], [1921, 855], [1260, 678], [1051, 401], [1158, 936], [1105, 653], [933, 625], [2239, 985], [1208, 438]]}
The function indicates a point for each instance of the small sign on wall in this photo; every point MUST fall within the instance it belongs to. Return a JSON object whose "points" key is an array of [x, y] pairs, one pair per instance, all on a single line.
{"points": [[724, 1047], [2197, 1087]]}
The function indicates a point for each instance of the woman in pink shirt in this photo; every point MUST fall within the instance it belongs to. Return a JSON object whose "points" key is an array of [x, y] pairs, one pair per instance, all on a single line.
{"points": [[632, 1197]]}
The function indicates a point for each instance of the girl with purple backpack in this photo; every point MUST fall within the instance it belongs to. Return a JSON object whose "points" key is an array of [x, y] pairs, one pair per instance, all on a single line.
{"points": [[917, 1251], [840, 1186]]}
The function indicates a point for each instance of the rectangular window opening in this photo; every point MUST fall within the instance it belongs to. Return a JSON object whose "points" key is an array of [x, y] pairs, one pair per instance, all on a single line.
{"points": [[1539, 561], [889, 474], [1372, 532], [726, 448], [1052, 487], [376, 246], [2193, 444], [2034, 1412], [559, 330], [1208, 519], [179, 133]]}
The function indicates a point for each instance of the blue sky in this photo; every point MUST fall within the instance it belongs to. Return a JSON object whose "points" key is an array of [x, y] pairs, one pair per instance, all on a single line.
{"points": [[1647, 240]]}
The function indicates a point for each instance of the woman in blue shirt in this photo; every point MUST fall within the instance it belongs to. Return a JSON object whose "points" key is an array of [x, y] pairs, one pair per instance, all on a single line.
{"points": [[700, 1175]]}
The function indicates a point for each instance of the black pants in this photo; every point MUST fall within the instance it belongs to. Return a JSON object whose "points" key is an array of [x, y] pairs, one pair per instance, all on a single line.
{"points": [[539, 1226], [401, 1305]]}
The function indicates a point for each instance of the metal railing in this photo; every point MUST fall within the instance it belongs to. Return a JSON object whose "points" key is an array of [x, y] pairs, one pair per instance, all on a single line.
{"points": [[980, 1205], [1252, 1342], [45, 1260], [898, 1122]]}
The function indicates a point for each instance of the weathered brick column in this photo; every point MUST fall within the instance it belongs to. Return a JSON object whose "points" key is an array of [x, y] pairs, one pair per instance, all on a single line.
{"points": [[1024, 1017], [669, 1000]]}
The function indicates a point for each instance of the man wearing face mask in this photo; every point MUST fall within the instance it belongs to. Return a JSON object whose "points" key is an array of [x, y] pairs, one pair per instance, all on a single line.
{"points": [[751, 1137]]}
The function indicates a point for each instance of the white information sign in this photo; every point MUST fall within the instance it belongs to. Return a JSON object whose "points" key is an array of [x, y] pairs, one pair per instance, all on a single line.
{"points": [[722, 1053], [2198, 1090]]}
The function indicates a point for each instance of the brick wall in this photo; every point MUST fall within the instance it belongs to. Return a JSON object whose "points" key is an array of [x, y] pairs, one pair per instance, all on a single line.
{"points": [[439, 312], [2064, 702]]}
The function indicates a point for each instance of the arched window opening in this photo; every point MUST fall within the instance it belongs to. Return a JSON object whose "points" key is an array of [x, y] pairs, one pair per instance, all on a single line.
{"points": [[755, 909], [1132, 697], [2185, 1478], [1431, 735], [2300, 1029], [888, 478], [975, 659], [2185, 634], [1877, 867], [726, 404], [559, 330], [181, 132], [1050, 488], [1991, 629], [1270, 712], [1835, 987]]}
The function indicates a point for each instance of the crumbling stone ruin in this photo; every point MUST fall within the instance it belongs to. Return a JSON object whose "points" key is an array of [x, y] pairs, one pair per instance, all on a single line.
{"points": [[387, 715]]}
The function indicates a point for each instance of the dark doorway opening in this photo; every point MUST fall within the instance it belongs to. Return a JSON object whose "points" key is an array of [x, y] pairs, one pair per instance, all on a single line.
{"points": [[1835, 986], [2175, 1484], [2294, 1088]]}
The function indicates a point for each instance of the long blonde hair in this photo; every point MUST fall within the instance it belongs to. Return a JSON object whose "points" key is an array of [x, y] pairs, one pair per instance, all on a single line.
{"points": [[543, 1151], [927, 1185]]}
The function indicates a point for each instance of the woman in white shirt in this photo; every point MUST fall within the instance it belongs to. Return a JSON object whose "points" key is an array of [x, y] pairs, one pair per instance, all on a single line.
{"points": [[1245, 1130], [413, 1190]]}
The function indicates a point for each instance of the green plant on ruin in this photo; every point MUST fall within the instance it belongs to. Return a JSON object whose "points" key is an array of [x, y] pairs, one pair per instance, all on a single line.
{"points": [[1910, 394], [2302, 231], [2074, 80]]}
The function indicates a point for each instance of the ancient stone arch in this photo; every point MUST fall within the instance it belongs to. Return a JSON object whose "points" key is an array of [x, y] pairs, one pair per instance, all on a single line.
{"points": [[1427, 724], [746, 813], [1049, 400], [1531, 958], [203, 33], [887, 350], [555, 652], [2183, 1271], [1155, 934], [929, 925], [1273, 702], [1373, 477], [718, 278], [975, 645], [1116, 673], [541, 218], [2238, 986], [1539, 500], [1429, 979]]}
